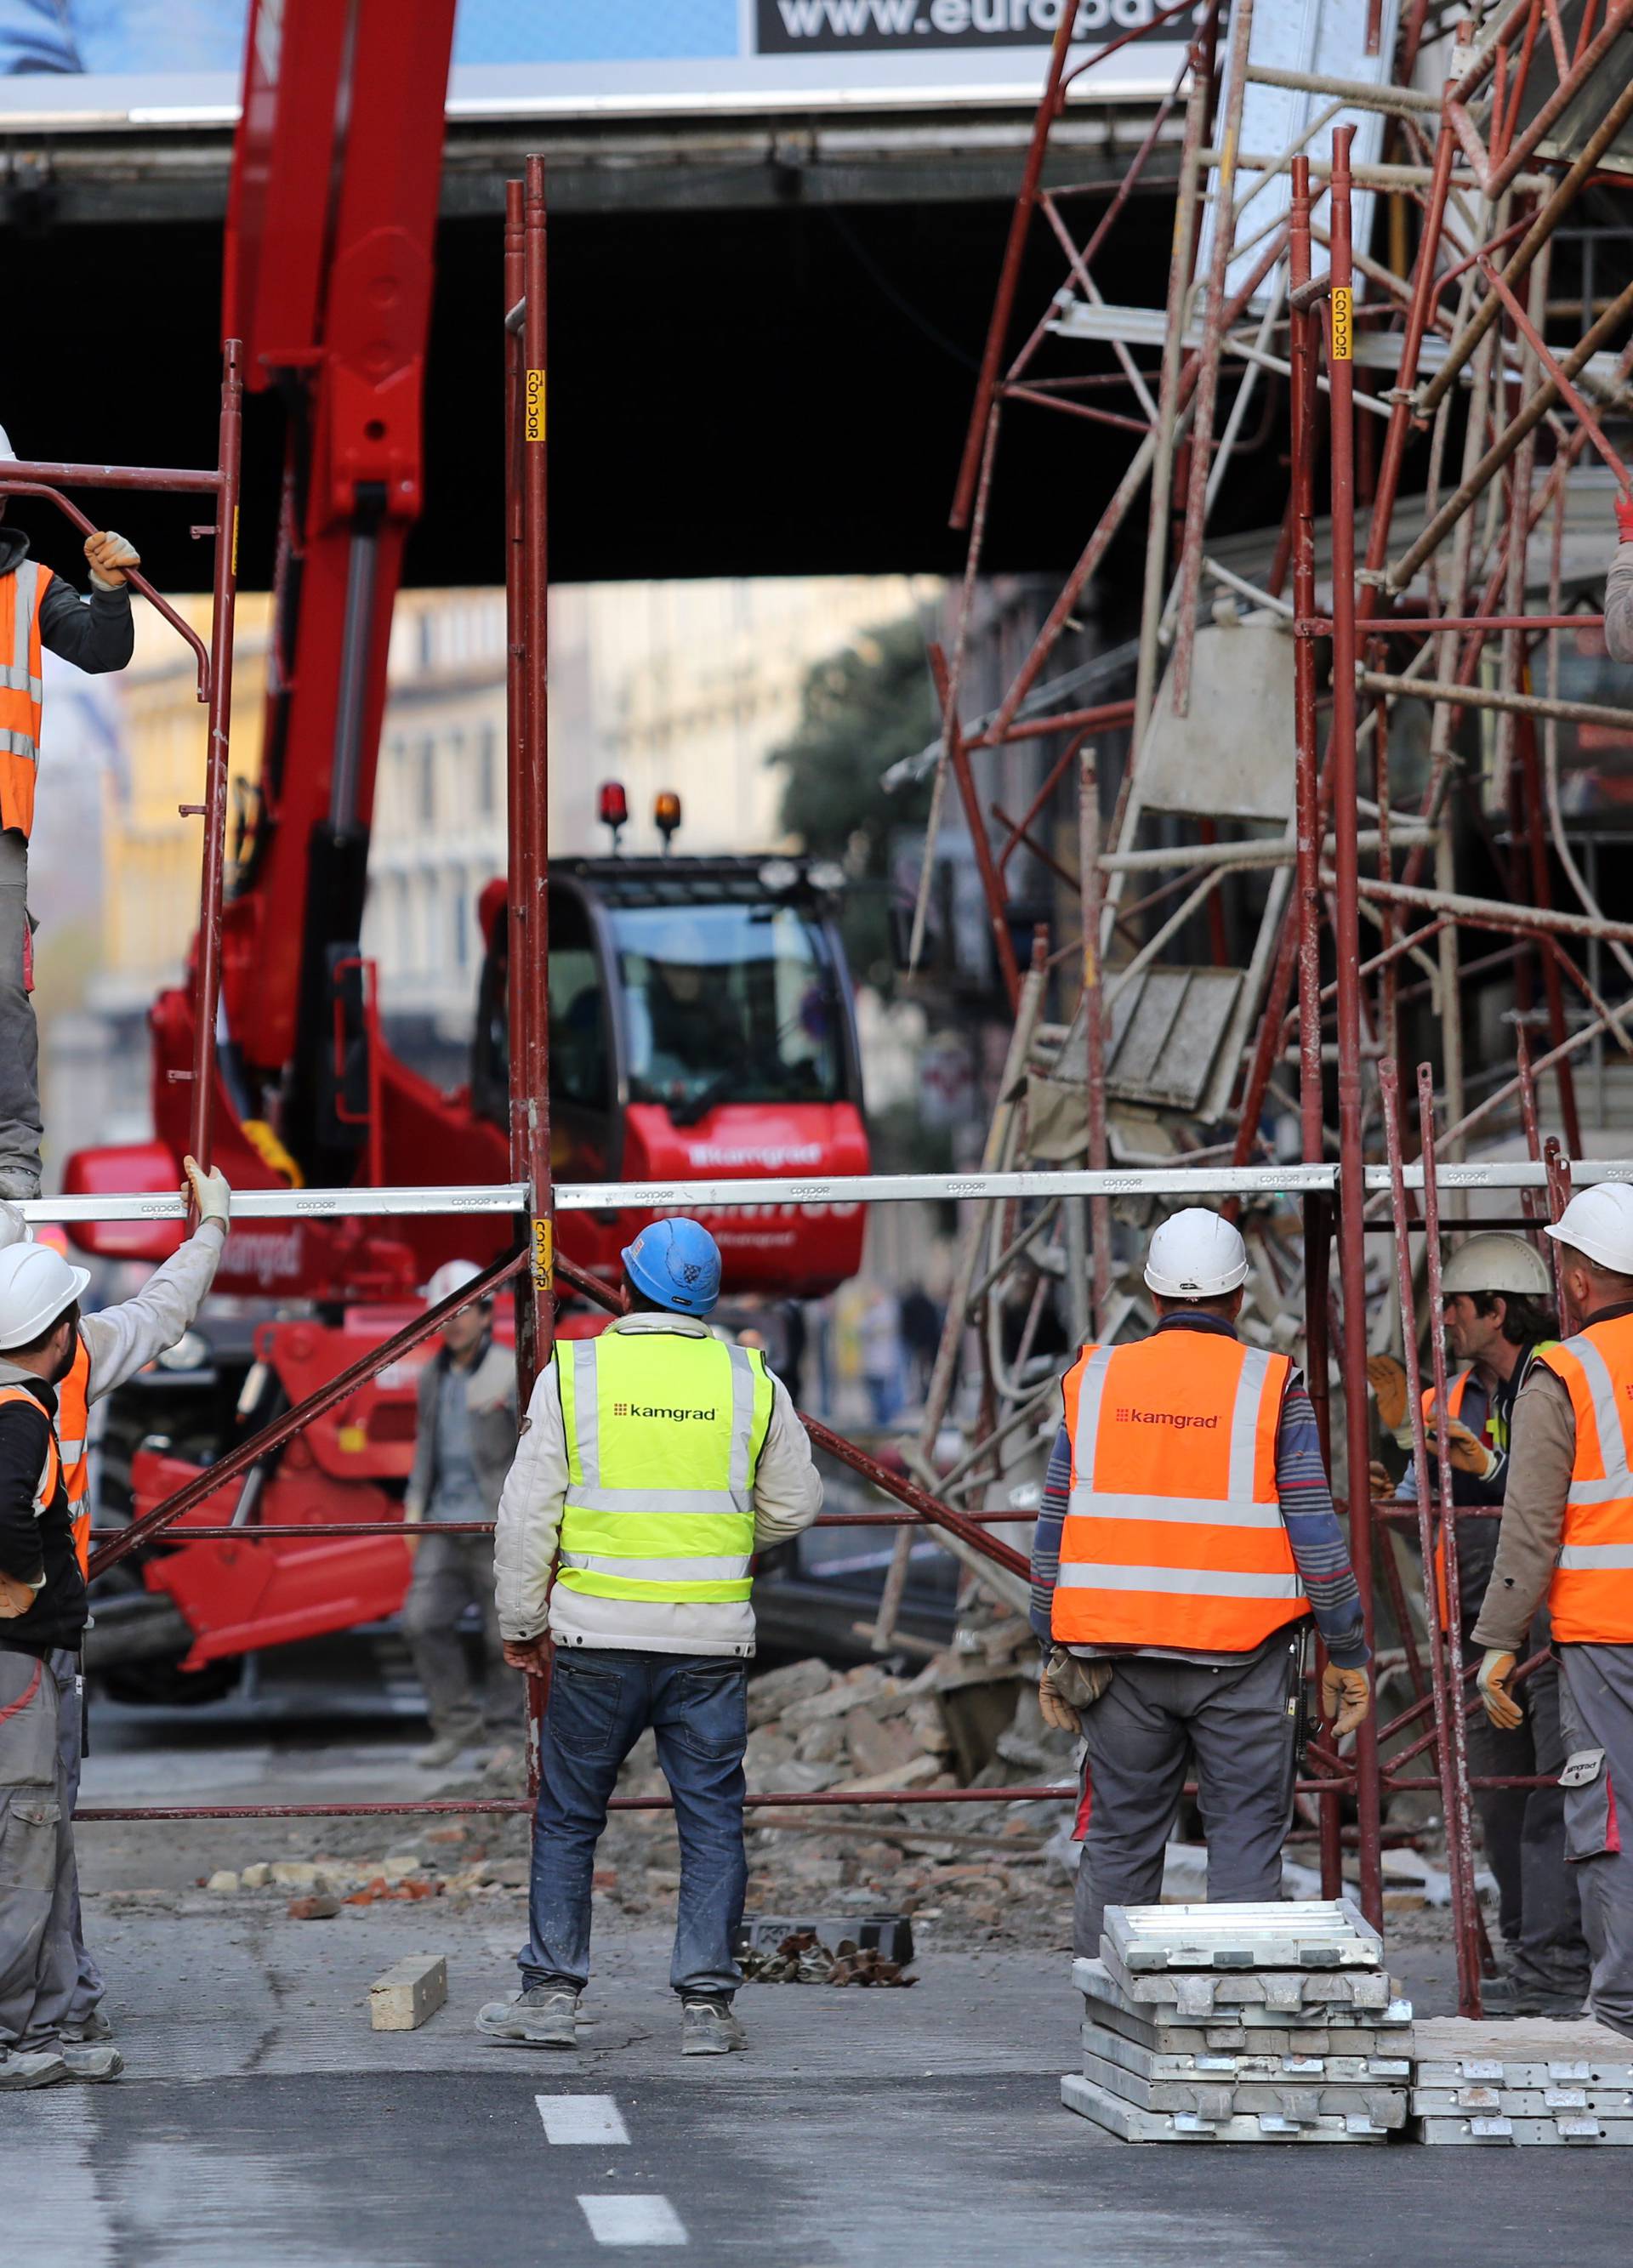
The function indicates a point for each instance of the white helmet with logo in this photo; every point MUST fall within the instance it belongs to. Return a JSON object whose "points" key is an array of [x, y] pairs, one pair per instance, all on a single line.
{"points": [[1497, 1261], [37, 1285], [1598, 1224], [1195, 1255], [451, 1276]]}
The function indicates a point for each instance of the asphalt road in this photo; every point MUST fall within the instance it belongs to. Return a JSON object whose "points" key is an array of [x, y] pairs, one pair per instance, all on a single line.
{"points": [[261, 2119]]}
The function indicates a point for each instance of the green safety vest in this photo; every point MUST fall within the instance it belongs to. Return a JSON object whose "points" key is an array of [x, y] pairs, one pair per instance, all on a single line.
{"points": [[664, 1433]]}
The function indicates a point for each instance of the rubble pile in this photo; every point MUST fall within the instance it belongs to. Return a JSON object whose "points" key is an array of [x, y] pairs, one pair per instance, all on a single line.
{"points": [[1242, 2023], [801, 1958]]}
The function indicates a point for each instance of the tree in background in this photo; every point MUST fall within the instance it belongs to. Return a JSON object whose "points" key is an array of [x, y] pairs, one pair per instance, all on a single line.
{"points": [[861, 711]]}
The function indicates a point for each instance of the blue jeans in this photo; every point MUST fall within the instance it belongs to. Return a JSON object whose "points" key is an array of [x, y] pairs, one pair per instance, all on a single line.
{"points": [[601, 1702]]}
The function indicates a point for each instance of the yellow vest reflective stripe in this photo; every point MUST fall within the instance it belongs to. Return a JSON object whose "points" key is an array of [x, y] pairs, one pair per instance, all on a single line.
{"points": [[22, 692], [1591, 1598], [51, 1471], [663, 1434]]}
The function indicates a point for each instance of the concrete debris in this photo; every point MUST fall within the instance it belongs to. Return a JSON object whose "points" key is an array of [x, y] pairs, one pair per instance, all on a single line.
{"points": [[317, 1905], [801, 1958], [410, 1990]]}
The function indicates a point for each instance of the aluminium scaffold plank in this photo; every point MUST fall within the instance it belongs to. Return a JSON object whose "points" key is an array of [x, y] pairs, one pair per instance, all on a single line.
{"points": [[1197, 2002], [1155, 2058], [1309, 1933], [1130, 2123], [1219, 2101]]}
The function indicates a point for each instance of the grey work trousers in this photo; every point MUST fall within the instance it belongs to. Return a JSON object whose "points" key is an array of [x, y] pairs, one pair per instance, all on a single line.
{"points": [[1539, 1905], [1240, 1724], [20, 1126], [38, 1886], [1596, 1721], [450, 1573]]}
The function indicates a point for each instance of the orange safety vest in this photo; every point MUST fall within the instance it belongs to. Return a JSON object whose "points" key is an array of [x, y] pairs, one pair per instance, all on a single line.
{"points": [[73, 1419], [51, 1471], [1591, 1598], [1173, 1534], [22, 692], [1454, 1408]]}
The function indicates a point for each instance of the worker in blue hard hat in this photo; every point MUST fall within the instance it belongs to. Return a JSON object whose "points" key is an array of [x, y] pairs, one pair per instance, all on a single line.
{"points": [[656, 1461]]}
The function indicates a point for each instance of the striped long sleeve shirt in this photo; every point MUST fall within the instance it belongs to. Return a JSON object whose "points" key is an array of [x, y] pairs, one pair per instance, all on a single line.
{"points": [[1320, 1550]]}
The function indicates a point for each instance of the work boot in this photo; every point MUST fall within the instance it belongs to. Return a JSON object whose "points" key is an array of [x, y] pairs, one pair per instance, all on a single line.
{"points": [[18, 1185], [709, 2027], [446, 1750], [92, 2060], [543, 2018], [21, 2067], [95, 2027]]}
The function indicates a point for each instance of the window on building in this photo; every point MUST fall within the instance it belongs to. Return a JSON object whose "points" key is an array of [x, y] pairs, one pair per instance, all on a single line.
{"points": [[426, 782], [487, 770]]}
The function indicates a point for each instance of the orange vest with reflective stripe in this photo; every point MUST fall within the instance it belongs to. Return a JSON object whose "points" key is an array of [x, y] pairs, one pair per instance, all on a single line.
{"points": [[1591, 1598], [22, 692], [1454, 1408], [51, 1471], [1173, 1534], [73, 1418]]}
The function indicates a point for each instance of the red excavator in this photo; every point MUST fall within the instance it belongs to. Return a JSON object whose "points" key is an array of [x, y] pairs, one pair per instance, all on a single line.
{"points": [[700, 1016]]}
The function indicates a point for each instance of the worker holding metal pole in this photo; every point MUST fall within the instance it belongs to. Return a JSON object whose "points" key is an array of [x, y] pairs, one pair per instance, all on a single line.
{"points": [[1187, 1535], [108, 1348], [38, 609], [1567, 1536], [1619, 585], [1497, 1297], [656, 1461]]}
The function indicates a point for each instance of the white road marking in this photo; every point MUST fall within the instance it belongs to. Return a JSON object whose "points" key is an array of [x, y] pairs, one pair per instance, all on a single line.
{"points": [[633, 2220], [581, 2118]]}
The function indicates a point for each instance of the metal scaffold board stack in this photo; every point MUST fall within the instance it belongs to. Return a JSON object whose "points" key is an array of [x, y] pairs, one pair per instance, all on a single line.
{"points": [[1528, 2083], [1241, 2024]]}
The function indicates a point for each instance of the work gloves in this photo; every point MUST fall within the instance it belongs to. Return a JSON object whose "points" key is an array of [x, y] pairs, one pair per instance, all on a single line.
{"points": [[1387, 1379], [1346, 1697], [210, 1192], [1070, 1682], [1467, 1451], [109, 556], [1491, 1678]]}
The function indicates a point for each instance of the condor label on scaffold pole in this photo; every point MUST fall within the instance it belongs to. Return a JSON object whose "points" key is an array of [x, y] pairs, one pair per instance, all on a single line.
{"points": [[1343, 323], [544, 1255], [533, 427]]}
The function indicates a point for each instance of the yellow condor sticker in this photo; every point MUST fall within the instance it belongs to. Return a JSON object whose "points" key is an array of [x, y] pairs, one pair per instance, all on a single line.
{"points": [[1343, 323], [354, 1440], [535, 424], [544, 1255]]}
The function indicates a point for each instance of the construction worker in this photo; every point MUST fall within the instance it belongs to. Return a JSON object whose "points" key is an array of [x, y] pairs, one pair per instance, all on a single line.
{"points": [[38, 609], [1499, 1321], [108, 1348], [656, 1460], [1187, 1535], [466, 1439], [1567, 1537]]}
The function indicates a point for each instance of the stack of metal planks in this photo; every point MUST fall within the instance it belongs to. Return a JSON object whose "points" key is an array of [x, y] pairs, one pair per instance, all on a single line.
{"points": [[1242, 2023], [1533, 2081]]}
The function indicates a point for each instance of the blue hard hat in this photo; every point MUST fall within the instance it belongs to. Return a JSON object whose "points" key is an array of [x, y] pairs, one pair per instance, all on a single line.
{"points": [[677, 1263]]}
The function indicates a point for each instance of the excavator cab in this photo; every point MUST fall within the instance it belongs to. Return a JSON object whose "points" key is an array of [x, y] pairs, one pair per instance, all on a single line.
{"points": [[701, 1024]]}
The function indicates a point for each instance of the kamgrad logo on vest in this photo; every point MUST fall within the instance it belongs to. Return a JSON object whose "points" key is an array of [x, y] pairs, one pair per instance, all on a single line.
{"points": [[652, 1410], [1175, 1417]]}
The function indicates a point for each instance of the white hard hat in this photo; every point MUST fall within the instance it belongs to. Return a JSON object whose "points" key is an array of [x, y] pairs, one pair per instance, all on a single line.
{"points": [[36, 1286], [451, 1276], [1497, 1262], [14, 1227], [1195, 1255], [1599, 1223]]}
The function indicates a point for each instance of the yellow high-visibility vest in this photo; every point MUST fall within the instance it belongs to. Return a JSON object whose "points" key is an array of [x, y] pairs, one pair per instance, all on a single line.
{"points": [[664, 1432]]}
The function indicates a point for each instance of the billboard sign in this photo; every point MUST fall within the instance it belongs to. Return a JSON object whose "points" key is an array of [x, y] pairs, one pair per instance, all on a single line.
{"points": [[94, 64]]}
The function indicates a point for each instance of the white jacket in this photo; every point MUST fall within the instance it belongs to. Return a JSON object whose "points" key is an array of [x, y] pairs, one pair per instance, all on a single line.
{"points": [[787, 1497]]}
